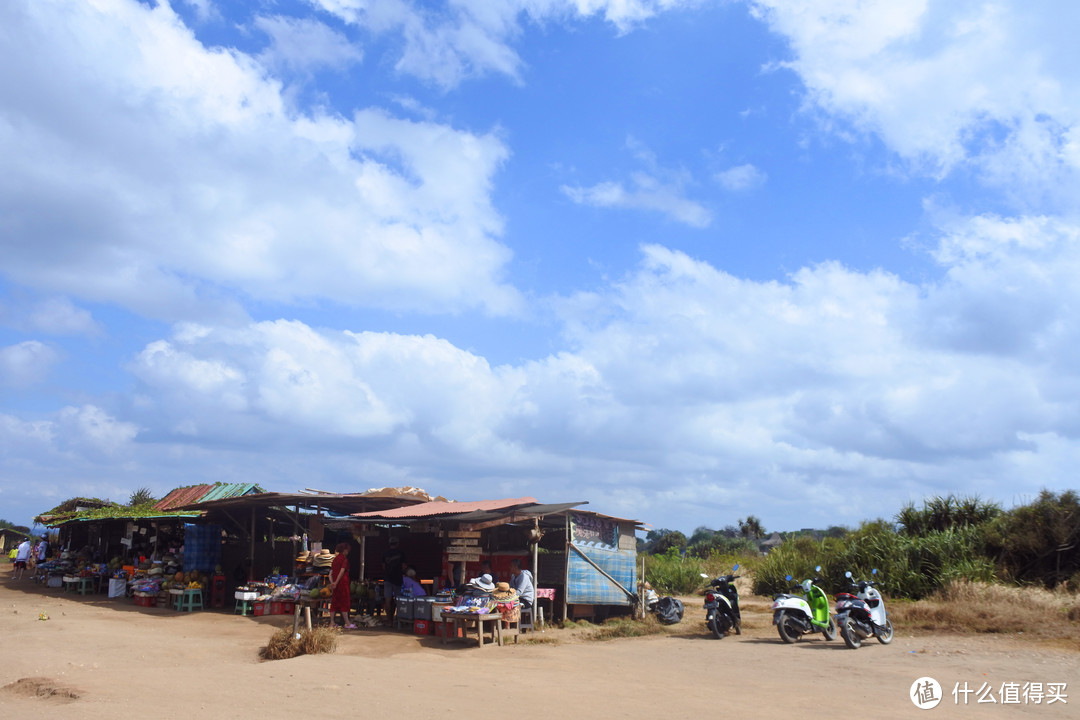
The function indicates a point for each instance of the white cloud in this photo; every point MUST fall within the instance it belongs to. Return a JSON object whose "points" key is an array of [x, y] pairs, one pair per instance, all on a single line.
{"points": [[176, 176], [305, 44], [741, 177], [26, 363], [945, 84], [654, 189], [448, 43]]}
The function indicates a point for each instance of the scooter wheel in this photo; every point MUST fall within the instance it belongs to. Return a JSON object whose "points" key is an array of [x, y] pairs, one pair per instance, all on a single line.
{"points": [[714, 625], [830, 631], [786, 632], [851, 639], [885, 637]]}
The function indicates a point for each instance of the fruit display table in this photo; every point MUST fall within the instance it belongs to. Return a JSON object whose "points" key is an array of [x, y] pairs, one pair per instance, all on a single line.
{"points": [[478, 620]]}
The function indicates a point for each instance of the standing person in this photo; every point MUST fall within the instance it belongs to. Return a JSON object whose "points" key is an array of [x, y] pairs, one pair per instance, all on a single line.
{"points": [[42, 550], [340, 600], [22, 555], [522, 581], [393, 567]]}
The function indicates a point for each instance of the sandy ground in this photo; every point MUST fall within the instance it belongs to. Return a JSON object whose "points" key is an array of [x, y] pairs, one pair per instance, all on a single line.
{"points": [[104, 658]]}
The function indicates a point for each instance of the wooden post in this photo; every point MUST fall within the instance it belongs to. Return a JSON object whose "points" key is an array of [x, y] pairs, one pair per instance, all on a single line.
{"points": [[251, 560], [566, 572]]}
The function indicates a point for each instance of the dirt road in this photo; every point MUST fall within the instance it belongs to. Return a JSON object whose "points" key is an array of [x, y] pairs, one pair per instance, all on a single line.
{"points": [[109, 659]]}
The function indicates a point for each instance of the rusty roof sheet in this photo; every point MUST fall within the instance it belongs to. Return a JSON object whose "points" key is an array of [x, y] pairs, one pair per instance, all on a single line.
{"points": [[185, 496], [182, 496], [431, 509]]}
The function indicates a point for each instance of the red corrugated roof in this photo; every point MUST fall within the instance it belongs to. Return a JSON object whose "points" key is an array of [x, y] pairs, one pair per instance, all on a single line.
{"points": [[182, 496], [448, 508]]}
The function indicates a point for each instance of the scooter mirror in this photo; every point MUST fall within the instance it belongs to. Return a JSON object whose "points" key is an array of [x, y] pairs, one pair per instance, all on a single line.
{"points": [[847, 574], [788, 578], [735, 568], [874, 571], [817, 569], [704, 576]]}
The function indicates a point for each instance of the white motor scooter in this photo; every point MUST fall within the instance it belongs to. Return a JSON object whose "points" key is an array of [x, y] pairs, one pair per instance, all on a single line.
{"points": [[862, 615]]}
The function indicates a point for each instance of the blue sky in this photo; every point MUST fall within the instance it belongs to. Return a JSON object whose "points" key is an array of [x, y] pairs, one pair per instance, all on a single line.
{"points": [[689, 261]]}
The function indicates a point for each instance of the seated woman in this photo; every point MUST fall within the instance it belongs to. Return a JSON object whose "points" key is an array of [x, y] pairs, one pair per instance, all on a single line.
{"points": [[410, 586]]}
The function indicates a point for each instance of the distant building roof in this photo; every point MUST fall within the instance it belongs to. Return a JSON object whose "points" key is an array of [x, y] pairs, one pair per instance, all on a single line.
{"points": [[194, 494]]}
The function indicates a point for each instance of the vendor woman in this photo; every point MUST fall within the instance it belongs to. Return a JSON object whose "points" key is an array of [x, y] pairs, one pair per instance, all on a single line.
{"points": [[340, 601]]}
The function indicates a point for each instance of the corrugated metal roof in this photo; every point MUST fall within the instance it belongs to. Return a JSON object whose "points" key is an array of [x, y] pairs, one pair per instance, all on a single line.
{"points": [[222, 491], [432, 509], [182, 496]]}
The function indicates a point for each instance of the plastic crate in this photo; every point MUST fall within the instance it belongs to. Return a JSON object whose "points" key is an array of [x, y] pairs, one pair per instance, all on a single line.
{"points": [[260, 607], [422, 627], [444, 628], [405, 607], [422, 608], [146, 600]]}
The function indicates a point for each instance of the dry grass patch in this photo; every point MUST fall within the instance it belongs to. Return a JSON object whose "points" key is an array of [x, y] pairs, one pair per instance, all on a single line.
{"points": [[621, 627], [283, 645], [964, 606]]}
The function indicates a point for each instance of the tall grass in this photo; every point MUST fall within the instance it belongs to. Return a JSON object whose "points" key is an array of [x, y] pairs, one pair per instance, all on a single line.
{"points": [[908, 566], [674, 574]]}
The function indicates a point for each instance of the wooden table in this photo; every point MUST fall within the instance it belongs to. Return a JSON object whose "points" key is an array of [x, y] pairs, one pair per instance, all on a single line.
{"points": [[477, 620]]}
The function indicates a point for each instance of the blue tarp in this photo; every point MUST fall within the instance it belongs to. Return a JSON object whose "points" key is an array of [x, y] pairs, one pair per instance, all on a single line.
{"points": [[202, 547], [589, 587]]}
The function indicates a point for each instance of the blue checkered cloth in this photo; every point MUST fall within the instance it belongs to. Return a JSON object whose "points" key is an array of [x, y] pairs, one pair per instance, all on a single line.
{"points": [[202, 547], [587, 586]]}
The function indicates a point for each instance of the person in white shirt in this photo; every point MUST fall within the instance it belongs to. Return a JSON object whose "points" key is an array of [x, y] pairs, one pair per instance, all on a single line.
{"points": [[42, 550], [22, 555]]}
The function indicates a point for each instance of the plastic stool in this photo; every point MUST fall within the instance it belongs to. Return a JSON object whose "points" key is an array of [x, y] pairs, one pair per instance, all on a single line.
{"points": [[189, 600], [526, 622], [243, 607]]}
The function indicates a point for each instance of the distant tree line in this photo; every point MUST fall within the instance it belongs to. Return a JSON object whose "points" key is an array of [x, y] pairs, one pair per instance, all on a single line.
{"points": [[947, 538], [919, 552]]}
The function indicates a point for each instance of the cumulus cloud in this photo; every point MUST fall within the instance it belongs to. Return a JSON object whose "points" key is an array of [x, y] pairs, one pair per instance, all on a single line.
{"points": [[992, 85], [26, 363], [180, 169]]}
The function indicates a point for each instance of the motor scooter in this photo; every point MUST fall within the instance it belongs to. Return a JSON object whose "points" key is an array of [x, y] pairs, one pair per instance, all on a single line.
{"points": [[722, 605], [862, 615], [798, 615]]}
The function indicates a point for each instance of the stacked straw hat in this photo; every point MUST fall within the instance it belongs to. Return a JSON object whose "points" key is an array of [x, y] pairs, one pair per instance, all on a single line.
{"points": [[303, 557], [504, 593], [325, 558]]}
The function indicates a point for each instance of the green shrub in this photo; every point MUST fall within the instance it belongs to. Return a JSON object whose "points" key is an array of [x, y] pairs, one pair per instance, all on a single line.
{"points": [[908, 566], [673, 574]]}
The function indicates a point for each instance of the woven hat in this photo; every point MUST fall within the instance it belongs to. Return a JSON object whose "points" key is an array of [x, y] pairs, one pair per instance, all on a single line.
{"points": [[484, 582], [303, 556], [504, 592]]}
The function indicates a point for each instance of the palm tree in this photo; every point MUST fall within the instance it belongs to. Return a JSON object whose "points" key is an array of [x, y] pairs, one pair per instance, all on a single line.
{"points": [[142, 496]]}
